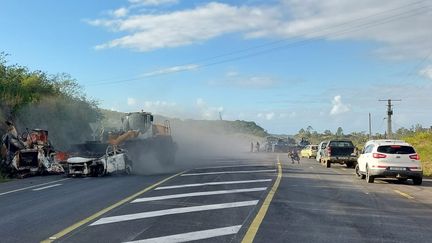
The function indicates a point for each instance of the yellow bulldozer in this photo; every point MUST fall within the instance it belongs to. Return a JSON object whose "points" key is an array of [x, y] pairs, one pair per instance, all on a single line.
{"points": [[139, 135]]}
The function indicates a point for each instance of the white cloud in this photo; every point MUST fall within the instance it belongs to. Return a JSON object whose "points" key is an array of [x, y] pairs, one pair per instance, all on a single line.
{"points": [[148, 32], [426, 72], [231, 74], [338, 106], [153, 2], [171, 70], [165, 108], [269, 116], [131, 101], [253, 82], [398, 25], [207, 112], [236, 79], [120, 12]]}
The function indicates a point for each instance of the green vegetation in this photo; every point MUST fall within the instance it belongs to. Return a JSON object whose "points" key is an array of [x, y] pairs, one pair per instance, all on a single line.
{"points": [[35, 99], [112, 120], [222, 127], [314, 137], [422, 142]]}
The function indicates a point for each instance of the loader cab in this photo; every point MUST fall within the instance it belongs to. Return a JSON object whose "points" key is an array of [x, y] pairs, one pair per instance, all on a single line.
{"points": [[141, 121]]}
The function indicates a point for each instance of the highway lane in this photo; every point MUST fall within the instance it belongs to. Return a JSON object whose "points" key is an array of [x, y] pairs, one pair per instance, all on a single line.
{"points": [[211, 204], [31, 216], [317, 204], [216, 200], [33, 209]]}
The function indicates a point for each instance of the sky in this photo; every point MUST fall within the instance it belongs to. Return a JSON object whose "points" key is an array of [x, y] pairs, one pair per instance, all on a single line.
{"points": [[285, 64]]}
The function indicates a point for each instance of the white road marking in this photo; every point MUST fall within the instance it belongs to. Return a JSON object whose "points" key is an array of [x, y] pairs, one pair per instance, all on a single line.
{"points": [[46, 187], [29, 187], [212, 184], [197, 235], [127, 217], [197, 194], [228, 172]]}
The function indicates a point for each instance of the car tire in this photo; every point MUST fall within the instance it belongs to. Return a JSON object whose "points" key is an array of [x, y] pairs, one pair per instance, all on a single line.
{"points": [[358, 173], [328, 164], [417, 181], [369, 178], [402, 180]]}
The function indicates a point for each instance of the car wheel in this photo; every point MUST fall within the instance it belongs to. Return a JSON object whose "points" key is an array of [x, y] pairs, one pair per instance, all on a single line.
{"points": [[369, 177], [328, 164], [358, 173], [417, 181]]}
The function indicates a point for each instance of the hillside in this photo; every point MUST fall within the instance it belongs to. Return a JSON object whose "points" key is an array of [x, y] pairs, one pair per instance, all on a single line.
{"points": [[112, 120]]}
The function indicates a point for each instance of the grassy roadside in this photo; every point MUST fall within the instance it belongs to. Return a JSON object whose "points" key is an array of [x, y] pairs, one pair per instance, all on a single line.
{"points": [[422, 142]]}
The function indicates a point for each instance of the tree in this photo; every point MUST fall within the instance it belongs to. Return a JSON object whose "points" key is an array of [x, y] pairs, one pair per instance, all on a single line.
{"points": [[328, 133], [339, 132]]}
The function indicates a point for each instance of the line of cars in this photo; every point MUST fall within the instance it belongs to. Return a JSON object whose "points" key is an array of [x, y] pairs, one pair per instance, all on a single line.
{"points": [[379, 158]]}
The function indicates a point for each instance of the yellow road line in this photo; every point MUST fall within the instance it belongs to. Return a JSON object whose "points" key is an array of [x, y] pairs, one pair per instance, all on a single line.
{"points": [[103, 211], [403, 194], [253, 228]]}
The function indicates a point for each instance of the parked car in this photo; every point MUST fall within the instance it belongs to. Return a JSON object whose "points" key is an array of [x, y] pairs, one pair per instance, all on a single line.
{"points": [[341, 152], [389, 158], [320, 151], [309, 151]]}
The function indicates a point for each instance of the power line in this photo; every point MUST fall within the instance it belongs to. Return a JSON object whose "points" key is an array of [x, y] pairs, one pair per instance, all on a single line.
{"points": [[300, 34], [360, 26]]}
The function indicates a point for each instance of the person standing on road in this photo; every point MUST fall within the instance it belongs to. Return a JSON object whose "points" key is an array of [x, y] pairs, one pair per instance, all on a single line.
{"points": [[257, 146], [294, 156], [251, 147]]}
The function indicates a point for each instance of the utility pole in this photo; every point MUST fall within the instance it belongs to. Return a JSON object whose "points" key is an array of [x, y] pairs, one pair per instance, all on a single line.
{"points": [[389, 117], [370, 126]]}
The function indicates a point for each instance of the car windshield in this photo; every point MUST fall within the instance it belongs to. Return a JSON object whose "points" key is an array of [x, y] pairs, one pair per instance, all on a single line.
{"points": [[234, 121], [396, 149]]}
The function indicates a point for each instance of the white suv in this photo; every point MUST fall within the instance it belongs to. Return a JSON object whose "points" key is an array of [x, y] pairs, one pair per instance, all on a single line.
{"points": [[389, 158]]}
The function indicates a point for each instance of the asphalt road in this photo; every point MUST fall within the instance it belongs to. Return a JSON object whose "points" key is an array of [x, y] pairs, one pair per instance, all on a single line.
{"points": [[218, 200]]}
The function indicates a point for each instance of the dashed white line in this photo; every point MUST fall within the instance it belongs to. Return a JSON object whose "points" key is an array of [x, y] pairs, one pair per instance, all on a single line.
{"points": [[46, 187], [197, 235], [158, 213], [197, 194], [29, 187], [212, 184], [228, 172]]}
